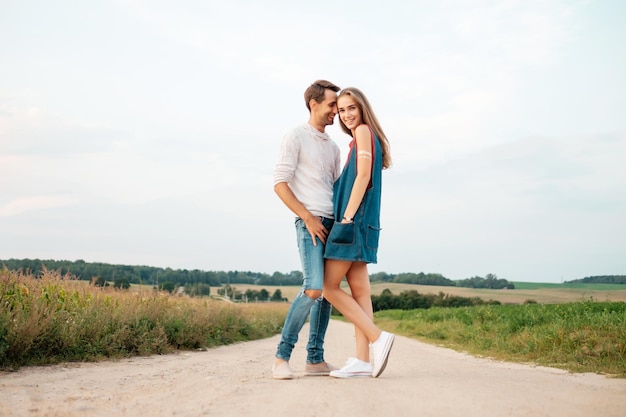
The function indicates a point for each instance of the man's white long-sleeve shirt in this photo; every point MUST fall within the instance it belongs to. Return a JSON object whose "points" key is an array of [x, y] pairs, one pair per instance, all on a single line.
{"points": [[309, 162]]}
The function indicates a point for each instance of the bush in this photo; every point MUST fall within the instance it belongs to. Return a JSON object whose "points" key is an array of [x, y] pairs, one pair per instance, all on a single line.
{"points": [[411, 299]]}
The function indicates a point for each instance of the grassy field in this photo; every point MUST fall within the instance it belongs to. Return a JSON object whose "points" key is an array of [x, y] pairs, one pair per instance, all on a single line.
{"points": [[54, 319], [541, 293], [584, 336], [580, 286]]}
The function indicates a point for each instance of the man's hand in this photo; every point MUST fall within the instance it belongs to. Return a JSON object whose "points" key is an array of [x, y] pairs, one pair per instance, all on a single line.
{"points": [[313, 223], [316, 228]]}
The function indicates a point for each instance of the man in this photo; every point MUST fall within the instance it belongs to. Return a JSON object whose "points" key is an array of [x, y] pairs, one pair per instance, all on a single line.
{"points": [[307, 167]]}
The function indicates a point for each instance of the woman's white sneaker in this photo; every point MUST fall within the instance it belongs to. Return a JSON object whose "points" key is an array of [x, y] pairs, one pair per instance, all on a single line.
{"points": [[380, 353], [354, 368]]}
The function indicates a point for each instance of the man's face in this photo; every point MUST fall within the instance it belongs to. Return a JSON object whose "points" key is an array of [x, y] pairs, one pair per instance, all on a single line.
{"points": [[326, 111]]}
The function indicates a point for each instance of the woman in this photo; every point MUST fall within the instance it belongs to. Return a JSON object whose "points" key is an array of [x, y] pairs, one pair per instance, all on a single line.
{"points": [[353, 240]]}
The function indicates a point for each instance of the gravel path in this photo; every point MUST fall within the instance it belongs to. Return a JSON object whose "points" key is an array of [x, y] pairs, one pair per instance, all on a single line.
{"points": [[420, 380]]}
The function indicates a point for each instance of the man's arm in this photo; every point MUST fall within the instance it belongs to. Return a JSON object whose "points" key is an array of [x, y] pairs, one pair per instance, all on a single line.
{"points": [[313, 223]]}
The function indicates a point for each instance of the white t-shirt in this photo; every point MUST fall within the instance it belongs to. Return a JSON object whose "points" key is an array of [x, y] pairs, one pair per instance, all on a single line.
{"points": [[309, 162]]}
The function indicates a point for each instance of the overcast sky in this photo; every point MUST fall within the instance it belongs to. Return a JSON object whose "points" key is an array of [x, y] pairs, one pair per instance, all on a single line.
{"points": [[146, 132]]}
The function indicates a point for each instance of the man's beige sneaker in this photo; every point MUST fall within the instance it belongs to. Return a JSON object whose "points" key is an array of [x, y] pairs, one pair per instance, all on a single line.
{"points": [[318, 369], [282, 371]]}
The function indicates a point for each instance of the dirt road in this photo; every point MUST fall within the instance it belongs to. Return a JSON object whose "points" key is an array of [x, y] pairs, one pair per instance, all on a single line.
{"points": [[420, 380]]}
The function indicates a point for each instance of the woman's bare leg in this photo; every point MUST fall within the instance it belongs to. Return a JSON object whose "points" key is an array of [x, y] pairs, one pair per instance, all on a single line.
{"points": [[334, 272], [359, 282]]}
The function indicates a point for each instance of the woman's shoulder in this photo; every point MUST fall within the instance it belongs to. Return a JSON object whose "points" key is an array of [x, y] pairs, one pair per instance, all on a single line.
{"points": [[363, 131], [363, 128]]}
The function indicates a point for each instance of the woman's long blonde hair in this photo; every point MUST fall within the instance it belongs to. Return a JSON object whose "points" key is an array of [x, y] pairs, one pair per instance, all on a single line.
{"points": [[369, 118]]}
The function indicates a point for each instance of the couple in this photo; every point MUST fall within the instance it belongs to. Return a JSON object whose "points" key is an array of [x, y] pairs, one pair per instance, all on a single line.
{"points": [[337, 227]]}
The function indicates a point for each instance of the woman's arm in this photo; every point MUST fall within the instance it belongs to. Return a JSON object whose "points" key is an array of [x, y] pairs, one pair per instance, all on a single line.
{"points": [[363, 170]]}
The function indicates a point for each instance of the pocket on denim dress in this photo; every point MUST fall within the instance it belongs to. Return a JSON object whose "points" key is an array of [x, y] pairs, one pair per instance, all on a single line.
{"points": [[371, 237], [342, 234]]}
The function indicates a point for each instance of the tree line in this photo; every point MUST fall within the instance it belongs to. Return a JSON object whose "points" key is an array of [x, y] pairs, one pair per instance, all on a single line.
{"points": [[490, 281], [102, 273], [600, 279], [197, 280]]}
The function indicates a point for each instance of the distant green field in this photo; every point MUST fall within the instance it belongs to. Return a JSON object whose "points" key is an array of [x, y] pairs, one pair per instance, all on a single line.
{"points": [[590, 287]]}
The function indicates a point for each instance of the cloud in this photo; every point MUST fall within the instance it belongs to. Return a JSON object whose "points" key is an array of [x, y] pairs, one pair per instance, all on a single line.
{"points": [[35, 203], [553, 205], [535, 173], [460, 81], [32, 130], [502, 118]]}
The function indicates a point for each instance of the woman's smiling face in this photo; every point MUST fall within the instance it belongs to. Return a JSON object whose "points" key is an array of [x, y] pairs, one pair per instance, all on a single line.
{"points": [[349, 112]]}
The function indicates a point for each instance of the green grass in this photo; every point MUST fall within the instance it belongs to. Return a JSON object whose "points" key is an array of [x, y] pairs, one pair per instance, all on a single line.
{"points": [[585, 336]]}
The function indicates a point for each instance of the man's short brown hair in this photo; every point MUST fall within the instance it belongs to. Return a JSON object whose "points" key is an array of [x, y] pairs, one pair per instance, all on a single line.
{"points": [[317, 91]]}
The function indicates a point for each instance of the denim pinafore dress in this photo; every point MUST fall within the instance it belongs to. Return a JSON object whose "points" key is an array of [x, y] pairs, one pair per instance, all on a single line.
{"points": [[357, 241]]}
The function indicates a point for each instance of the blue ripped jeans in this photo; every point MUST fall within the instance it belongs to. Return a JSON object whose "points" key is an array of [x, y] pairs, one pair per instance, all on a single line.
{"points": [[312, 258]]}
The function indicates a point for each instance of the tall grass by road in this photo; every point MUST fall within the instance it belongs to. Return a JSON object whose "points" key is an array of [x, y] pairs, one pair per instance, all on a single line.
{"points": [[585, 336], [53, 318]]}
